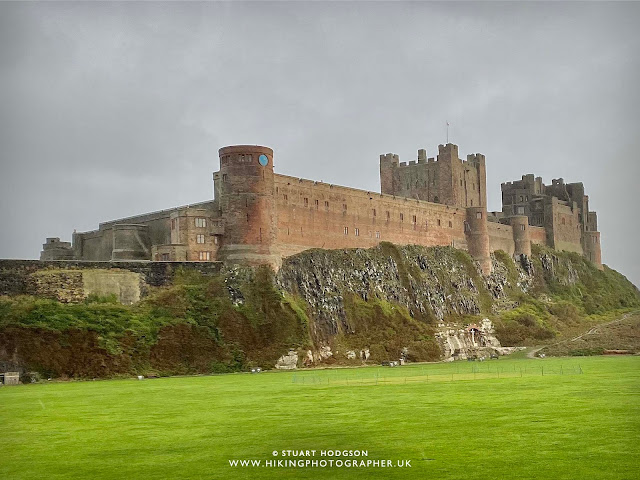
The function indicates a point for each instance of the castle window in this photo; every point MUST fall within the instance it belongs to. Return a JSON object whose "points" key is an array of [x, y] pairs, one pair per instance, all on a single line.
{"points": [[526, 198], [520, 210], [472, 203], [326, 206], [173, 224], [346, 230], [165, 257], [374, 212], [215, 240], [415, 220], [388, 215], [521, 198], [204, 256], [436, 199], [450, 224], [562, 221], [306, 202], [402, 217], [522, 227], [357, 230], [224, 177], [247, 218], [478, 214], [467, 228], [344, 207], [317, 203], [286, 197], [377, 234], [201, 222], [595, 239], [438, 222], [200, 238]]}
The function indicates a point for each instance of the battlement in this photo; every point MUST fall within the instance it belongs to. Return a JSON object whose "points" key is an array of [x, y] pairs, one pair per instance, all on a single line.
{"points": [[390, 159], [449, 149], [475, 159]]}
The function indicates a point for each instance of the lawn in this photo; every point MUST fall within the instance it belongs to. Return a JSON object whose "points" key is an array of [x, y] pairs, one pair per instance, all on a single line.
{"points": [[560, 418]]}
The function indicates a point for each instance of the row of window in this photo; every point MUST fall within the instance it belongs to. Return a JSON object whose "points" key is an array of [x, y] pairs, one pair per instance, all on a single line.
{"points": [[241, 159], [374, 212], [199, 222], [166, 257], [357, 230]]}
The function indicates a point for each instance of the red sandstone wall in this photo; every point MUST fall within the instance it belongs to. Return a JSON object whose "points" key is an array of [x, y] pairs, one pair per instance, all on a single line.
{"points": [[306, 224]]}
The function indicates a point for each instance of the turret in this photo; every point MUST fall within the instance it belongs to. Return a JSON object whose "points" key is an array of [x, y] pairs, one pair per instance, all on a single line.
{"points": [[592, 248], [247, 203], [521, 234], [478, 237], [387, 164]]}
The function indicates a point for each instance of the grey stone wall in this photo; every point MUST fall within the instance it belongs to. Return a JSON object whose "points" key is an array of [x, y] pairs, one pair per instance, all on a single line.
{"points": [[15, 274]]}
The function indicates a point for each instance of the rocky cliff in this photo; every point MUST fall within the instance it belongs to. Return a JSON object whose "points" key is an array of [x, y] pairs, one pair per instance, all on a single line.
{"points": [[343, 306]]}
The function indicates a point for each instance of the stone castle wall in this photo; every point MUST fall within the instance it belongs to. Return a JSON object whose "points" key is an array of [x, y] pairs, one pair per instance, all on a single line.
{"points": [[22, 277]]}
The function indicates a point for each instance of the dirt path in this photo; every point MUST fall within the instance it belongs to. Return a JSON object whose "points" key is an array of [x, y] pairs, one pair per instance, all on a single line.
{"points": [[591, 331]]}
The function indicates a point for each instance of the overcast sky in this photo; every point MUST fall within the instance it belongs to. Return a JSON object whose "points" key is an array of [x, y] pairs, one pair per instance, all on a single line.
{"points": [[109, 110]]}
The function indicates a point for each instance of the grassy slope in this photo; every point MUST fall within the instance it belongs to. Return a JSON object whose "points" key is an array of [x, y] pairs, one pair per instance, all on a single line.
{"points": [[563, 302], [552, 426]]}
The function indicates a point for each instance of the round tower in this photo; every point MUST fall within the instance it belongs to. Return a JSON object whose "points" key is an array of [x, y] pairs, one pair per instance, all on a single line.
{"points": [[246, 188], [521, 235], [592, 248], [478, 237]]}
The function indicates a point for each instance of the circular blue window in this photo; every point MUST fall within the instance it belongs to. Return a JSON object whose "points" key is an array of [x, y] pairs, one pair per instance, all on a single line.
{"points": [[263, 160]]}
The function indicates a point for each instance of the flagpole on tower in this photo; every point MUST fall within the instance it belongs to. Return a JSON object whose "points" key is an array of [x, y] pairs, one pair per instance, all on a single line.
{"points": [[447, 131]]}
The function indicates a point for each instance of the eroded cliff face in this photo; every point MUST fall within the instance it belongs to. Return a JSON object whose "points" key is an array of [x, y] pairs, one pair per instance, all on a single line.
{"points": [[443, 292]]}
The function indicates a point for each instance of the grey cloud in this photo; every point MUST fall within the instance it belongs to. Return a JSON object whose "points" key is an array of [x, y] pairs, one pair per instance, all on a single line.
{"points": [[112, 109]]}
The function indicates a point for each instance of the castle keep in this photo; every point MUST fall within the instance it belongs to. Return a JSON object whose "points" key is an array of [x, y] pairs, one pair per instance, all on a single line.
{"points": [[258, 216]]}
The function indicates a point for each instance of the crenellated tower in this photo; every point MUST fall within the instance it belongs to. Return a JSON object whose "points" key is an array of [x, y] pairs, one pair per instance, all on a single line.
{"points": [[445, 179]]}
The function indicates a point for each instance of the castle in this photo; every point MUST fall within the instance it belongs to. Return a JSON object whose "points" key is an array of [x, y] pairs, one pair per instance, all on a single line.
{"points": [[260, 217]]}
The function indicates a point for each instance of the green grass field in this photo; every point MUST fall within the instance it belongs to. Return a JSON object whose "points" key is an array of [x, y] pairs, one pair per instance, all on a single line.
{"points": [[498, 419]]}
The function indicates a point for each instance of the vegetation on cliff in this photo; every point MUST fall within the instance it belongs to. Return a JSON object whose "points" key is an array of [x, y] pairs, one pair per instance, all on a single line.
{"points": [[198, 325], [379, 303]]}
